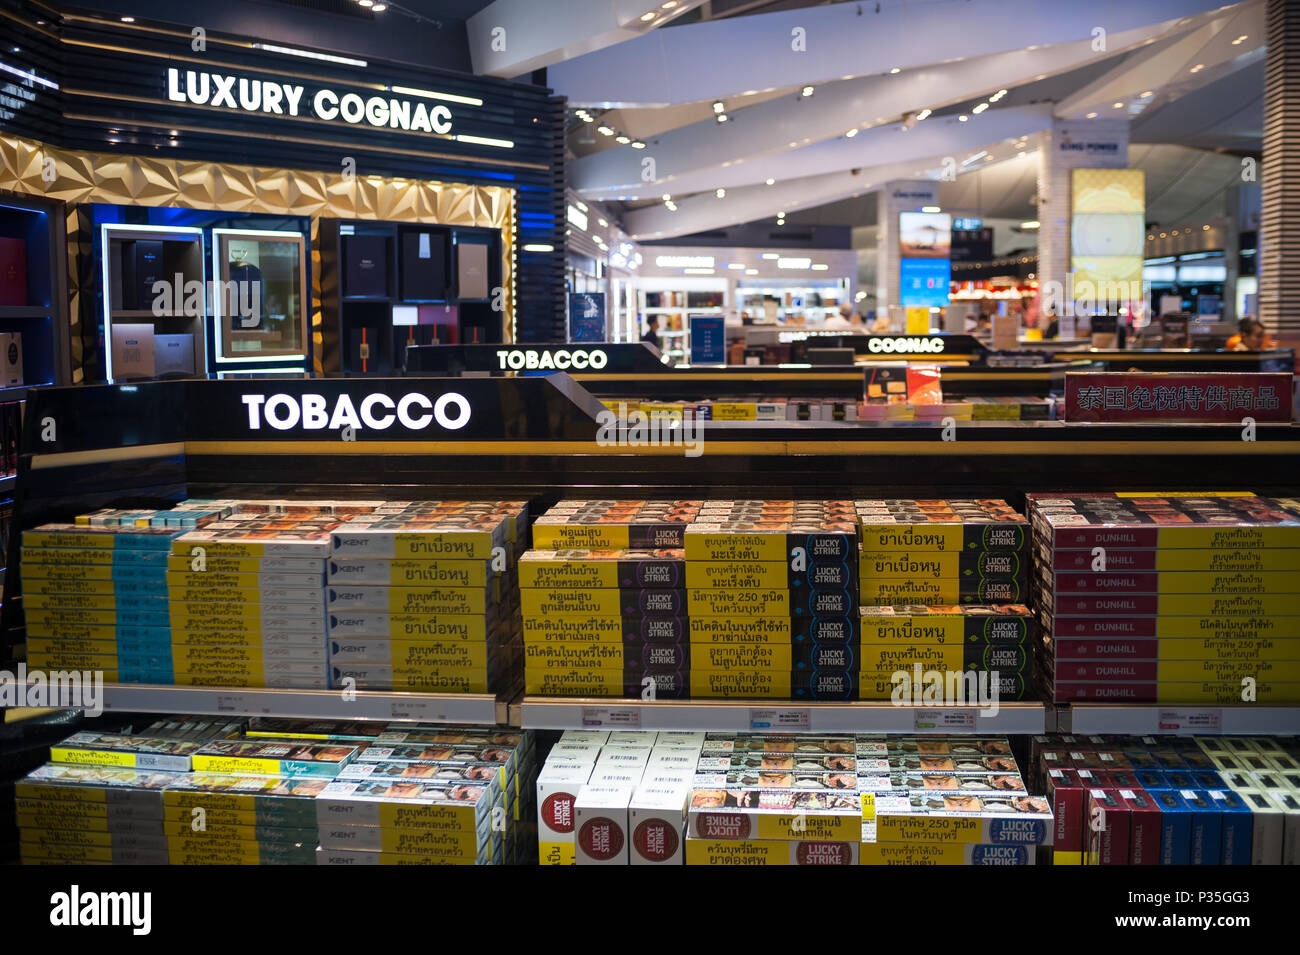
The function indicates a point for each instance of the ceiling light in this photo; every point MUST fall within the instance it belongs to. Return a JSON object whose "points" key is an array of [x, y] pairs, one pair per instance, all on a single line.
{"points": [[669, 5], [128, 19], [1148, 94], [1092, 116], [645, 17], [768, 255], [671, 206], [667, 197], [1205, 228], [622, 139], [820, 267], [723, 117], [852, 132], [366, 3], [735, 265], [980, 108], [1031, 224], [923, 114], [603, 223], [769, 182], [962, 118], [539, 248], [1240, 39], [807, 91], [1117, 105], [751, 271], [930, 209], [718, 107], [895, 70], [433, 94], [638, 145], [1197, 68], [379, 8], [604, 131], [587, 118], [313, 55], [721, 193]]}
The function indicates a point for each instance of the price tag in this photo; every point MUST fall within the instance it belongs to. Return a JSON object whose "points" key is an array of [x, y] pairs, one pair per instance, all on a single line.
{"points": [[231, 703], [414, 708], [793, 719], [1191, 721], [925, 718], [868, 807], [621, 717]]}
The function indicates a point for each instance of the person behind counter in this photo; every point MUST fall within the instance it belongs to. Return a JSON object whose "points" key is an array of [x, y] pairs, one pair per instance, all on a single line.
{"points": [[652, 332], [1250, 336], [846, 320]]}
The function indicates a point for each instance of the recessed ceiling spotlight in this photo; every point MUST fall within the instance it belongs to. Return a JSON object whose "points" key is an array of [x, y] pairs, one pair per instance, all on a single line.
{"points": [[852, 132], [962, 118], [1197, 68], [721, 193], [770, 182], [622, 139], [807, 91], [722, 117], [128, 19], [719, 106], [604, 131], [1241, 39], [1092, 115], [637, 144], [980, 108], [646, 17], [923, 114], [895, 70], [1148, 94]]}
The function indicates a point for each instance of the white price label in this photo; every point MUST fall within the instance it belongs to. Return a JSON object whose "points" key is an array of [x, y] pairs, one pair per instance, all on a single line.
{"points": [[418, 709], [1191, 721], [231, 703], [925, 718], [621, 717], [784, 718]]}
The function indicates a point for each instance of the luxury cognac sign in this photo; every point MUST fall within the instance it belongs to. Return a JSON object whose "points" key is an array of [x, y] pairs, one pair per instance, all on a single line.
{"points": [[274, 97]]}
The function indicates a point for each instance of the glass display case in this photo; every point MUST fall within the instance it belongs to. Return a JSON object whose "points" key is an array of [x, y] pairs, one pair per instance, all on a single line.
{"points": [[259, 302]]}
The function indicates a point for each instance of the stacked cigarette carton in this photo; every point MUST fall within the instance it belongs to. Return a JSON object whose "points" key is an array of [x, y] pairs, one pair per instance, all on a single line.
{"points": [[951, 801], [247, 597], [420, 596], [1145, 800], [95, 593], [401, 794], [772, 600], [100, 799], [942, 585], [604, 600], [428, 796], [845, 800], [1169, 599], [775, 800], [616, 798]]}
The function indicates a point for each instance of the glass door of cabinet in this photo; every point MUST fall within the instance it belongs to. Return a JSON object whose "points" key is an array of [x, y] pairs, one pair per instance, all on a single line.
{"points": [[260, 299]]}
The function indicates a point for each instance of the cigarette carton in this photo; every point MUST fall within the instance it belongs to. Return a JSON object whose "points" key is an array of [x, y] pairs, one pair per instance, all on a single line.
{"points": [[601, 825]]}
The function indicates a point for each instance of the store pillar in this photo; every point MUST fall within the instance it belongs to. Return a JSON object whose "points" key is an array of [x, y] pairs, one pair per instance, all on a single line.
{"points": [[896, 197], [1068, 145], [1279, 235]]}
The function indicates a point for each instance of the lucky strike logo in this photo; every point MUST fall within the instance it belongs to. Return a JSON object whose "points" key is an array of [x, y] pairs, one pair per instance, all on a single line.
{"points": [[557, 811], [823, 853], [724, 825], [601, 838], [655, 840]]}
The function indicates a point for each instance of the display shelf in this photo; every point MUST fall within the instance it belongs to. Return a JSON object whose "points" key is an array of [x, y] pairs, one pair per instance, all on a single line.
{"points": [[298, 704], [24, 311], [1088, 719], [545, 713]]}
